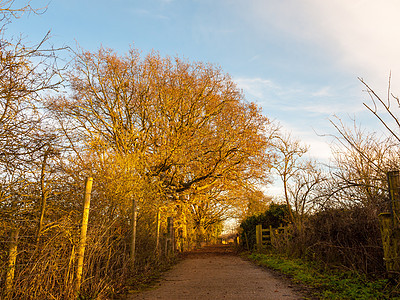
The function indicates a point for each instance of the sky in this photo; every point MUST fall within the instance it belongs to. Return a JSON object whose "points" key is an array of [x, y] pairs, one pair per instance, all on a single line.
{"points": [[298, 59]]}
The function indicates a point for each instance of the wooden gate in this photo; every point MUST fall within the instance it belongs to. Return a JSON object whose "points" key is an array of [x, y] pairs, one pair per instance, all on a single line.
{"points": [[265, 237]]}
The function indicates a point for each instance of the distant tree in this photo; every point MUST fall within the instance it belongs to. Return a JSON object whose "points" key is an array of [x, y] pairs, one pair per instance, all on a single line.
{"points": [[288, 164], [305, 190]]}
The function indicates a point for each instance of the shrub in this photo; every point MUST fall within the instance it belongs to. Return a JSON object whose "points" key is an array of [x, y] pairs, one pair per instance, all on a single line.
{"points": [[346, 237]]}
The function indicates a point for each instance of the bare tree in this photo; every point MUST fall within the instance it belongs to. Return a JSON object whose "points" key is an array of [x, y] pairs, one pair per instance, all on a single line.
{"points": [[288, 164], [305, 189], [361, 161]]}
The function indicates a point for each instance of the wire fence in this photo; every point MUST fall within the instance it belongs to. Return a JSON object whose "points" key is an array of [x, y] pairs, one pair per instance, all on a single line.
{"points": [[46, 265]]}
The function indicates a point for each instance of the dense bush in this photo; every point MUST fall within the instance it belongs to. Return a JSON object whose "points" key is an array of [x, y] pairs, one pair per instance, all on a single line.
{"points": [[345, 237], [340, 237]]}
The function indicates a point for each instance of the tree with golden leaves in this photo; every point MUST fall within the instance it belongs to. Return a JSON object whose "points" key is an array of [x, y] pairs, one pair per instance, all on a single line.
{"points": [[177, 125]]}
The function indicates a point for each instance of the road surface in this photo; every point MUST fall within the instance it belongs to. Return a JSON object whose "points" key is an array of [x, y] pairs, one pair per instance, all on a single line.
{"points": [[214, 272]]}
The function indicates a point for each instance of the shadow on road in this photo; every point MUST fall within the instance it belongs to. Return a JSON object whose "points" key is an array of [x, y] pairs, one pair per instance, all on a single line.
{"points": [[208, 251]]}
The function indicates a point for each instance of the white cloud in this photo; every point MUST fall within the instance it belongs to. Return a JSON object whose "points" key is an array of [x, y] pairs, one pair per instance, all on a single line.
{"points": [[355, 38], [319, 149], [302, 102], [323, 100], [360, 36], [322, 92], [257, 87]]}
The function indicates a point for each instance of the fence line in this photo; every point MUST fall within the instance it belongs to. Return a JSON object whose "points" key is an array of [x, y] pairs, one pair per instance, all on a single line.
{"points": [[56, 256]]}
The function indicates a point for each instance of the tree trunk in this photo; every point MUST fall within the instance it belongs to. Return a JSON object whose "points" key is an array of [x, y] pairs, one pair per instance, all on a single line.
{"points": [[200, 234], [170, 240], [158, 225], [43, 197], [133, 238], [185, 241], [291, 216]]}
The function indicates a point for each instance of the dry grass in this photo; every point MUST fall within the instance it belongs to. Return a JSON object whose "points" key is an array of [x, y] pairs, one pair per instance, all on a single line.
{"points": [[47, 270]]}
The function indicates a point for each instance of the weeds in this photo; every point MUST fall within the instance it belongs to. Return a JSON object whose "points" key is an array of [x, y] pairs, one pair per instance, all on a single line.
{"points": [[328, 283]]}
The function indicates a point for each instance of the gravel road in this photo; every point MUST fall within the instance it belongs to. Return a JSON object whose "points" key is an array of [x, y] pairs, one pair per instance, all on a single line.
{"points": [[215, 272]]}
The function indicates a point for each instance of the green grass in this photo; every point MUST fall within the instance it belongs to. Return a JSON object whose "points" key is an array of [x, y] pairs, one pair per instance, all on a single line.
{"points": [[327, 283]]}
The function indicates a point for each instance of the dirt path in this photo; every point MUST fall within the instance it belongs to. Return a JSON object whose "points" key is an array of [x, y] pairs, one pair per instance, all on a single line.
{"points": [[216, 273]]}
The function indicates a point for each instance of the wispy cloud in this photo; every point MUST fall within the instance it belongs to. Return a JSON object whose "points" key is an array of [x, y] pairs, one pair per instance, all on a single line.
{"points": [[323, 101], [323, 92], [254, 58], [257, 87], [148, 14], [141, 11], [360, 36]]}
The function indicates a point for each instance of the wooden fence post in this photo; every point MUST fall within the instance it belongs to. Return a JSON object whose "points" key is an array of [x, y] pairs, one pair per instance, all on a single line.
{"points": [[390, 226], [259, 236], [82, 241], [389, 248], [271, 235], [394, 192], [12, 257]]}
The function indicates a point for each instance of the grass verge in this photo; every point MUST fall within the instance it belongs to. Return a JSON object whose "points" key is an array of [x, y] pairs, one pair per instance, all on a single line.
{"points": [[328, 283]]}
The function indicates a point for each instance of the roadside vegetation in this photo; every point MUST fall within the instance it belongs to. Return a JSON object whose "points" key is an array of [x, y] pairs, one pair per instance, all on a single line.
{"points": [[317, 257], [332, 240], [332, 211], [327, 282], [173, 149]]}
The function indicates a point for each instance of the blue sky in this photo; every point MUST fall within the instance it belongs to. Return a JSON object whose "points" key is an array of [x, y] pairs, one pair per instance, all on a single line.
{"points": [[298, 59]]}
